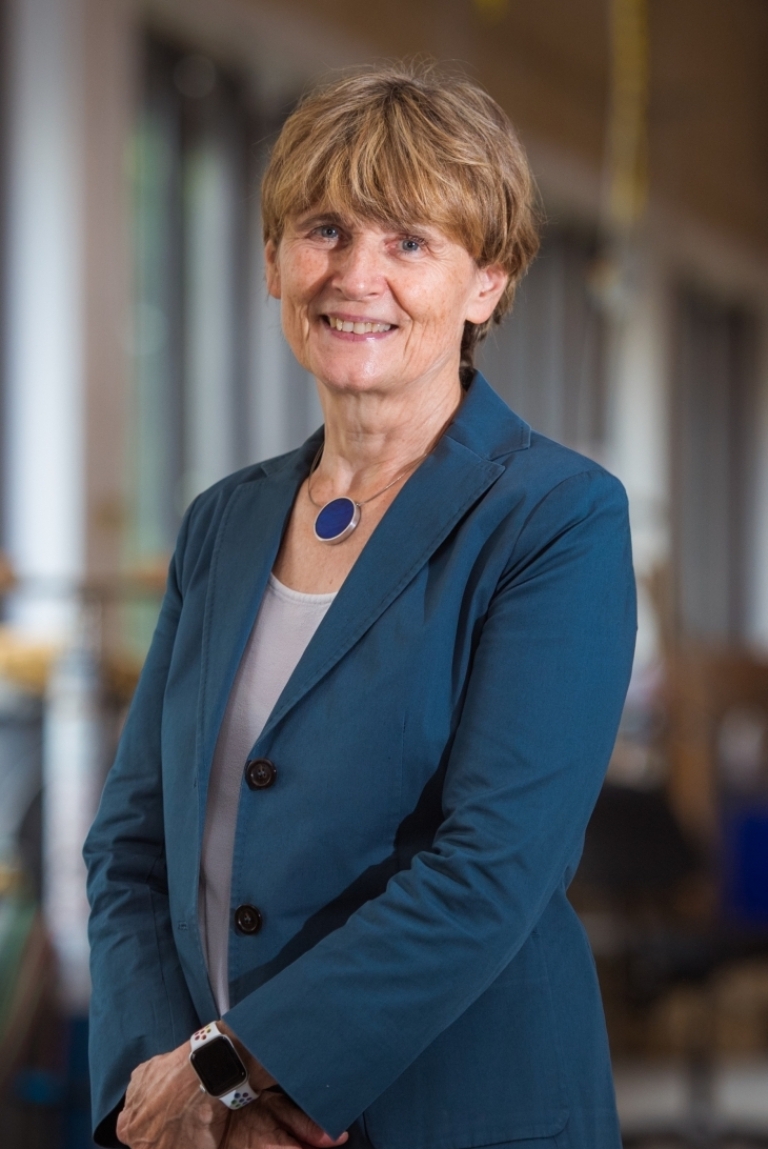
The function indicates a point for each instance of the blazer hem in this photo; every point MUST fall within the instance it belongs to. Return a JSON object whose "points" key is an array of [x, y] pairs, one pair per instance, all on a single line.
{"points": [[497, 1135]]}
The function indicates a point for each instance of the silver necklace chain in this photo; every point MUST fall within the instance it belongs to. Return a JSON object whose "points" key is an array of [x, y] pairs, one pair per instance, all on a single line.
{"points": [[361, 502]]}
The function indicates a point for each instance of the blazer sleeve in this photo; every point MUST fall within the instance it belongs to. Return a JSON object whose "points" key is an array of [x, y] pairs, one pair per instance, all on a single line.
{"points": [[540, 716], [130, 930]]}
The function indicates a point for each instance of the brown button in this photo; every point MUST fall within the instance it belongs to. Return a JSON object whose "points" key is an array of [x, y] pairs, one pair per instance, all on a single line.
{"points": [[248, 920], [260, 773]]}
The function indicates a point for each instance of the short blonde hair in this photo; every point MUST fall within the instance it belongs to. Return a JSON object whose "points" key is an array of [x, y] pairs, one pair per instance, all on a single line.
{"points": [[406, 144]]}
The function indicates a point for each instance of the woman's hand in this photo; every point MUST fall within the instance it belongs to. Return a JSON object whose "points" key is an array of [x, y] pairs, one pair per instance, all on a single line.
{"points": [[165, 1108], [274, 1122]]}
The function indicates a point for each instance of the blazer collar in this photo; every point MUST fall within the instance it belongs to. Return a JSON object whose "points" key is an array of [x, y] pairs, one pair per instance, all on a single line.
{"points": [[443, 488], [485, 424]]}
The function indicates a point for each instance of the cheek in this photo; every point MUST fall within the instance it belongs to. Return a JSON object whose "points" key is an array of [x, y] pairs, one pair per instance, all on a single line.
{"points": [[293, 310], [301, 280], [295, 328], [294, 295], [438, 305], [439, 319]]}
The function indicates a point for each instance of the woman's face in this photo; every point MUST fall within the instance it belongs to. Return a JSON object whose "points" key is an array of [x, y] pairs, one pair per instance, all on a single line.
{"points": [[366, 307]]}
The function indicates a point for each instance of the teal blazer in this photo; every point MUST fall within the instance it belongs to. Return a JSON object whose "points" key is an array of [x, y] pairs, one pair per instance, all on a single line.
{"points": [[420, 976]]}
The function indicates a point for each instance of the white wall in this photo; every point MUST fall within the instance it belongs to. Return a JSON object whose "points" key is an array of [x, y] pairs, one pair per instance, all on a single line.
{"points": [[44, 367]]}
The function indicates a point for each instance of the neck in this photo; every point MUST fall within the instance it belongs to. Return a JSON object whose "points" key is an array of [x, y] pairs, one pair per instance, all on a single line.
{"points": [[370, 436]]}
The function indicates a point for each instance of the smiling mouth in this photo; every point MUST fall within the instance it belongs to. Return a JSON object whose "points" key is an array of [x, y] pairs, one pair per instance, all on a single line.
{"points": [[357, 328]]}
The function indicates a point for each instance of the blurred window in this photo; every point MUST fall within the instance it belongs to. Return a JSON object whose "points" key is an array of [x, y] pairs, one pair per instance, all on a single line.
{"points": [[547, 360], [193, 153], [712, 461], [4, 174], [215, 385]]}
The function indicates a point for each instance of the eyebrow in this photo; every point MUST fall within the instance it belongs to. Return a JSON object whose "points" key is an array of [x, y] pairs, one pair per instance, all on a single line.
{"points": [[321, 217], [336, 219]]}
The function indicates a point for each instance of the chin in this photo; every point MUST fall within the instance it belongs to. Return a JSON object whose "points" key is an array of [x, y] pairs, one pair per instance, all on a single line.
{"points": [[338, 377]]}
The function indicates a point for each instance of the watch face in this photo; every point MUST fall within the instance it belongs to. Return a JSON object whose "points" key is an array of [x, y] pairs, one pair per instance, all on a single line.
{"points": [[218, 1066]]}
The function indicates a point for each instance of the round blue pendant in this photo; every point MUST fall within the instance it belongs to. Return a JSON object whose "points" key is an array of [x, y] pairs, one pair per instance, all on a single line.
{"points": [[337, 520]]}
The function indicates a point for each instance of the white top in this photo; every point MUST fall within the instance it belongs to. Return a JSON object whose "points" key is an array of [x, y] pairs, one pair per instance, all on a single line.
{"points": [[284, 626]]}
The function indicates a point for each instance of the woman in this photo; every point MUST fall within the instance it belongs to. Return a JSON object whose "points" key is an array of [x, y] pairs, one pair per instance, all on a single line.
{"points": [[379, 703]]}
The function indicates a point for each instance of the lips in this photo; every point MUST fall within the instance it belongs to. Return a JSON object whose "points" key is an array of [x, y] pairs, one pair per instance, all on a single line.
{"points": [[357, 327]]}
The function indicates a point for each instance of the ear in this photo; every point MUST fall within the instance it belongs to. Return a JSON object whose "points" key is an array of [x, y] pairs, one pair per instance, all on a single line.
{"points": [[272, 269], [489, 286]]}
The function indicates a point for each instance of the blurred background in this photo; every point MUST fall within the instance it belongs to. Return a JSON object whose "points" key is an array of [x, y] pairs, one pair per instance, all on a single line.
{"points": [[141, 361]]}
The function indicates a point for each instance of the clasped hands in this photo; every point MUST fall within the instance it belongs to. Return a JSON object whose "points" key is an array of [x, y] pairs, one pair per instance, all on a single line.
{"points": [[165, 1108]]}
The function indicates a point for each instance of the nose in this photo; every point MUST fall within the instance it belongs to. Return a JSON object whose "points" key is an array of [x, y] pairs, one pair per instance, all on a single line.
{"points": [[360, 267]]}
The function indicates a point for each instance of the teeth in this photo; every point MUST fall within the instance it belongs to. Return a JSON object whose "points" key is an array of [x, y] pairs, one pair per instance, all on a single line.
{"points": [[358, 328]]}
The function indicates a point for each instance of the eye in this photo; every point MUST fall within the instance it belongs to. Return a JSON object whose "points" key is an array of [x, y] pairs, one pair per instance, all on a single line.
{"points": [[411, 244], [327, 231]]}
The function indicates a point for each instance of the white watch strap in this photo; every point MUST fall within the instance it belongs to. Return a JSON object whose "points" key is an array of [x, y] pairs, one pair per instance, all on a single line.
{"points": [[236, 1098]]}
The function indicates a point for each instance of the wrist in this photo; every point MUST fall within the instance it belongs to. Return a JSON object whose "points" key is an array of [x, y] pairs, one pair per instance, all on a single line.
{"points": [[221, 1071], [257, 1074]]}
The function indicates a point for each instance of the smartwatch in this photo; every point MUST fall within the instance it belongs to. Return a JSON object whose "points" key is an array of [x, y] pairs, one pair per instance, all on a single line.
{"points": [[220, 1068]]}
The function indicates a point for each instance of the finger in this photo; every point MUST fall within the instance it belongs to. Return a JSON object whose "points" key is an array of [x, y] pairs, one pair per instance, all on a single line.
{"points": [[226, 1140], [301, 1124], [253, 1128]]}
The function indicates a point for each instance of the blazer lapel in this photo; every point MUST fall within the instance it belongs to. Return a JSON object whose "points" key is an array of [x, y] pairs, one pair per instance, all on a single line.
{"points": [[449, 481], [433, 500], [246, 547]]}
